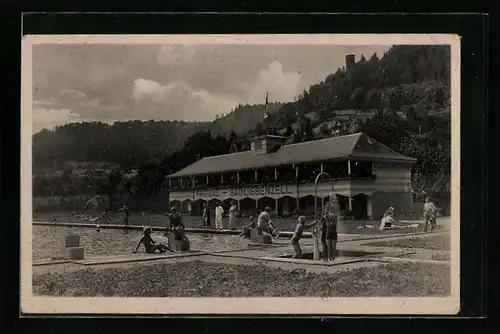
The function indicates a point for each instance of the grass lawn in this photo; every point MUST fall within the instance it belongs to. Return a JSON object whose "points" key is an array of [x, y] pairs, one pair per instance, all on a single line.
{"points": [[202, 279], [441, 256], [439, 242]]}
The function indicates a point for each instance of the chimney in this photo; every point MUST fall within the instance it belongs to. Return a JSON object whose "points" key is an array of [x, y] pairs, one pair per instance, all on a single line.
{"points": [[267, 143], [349, 62]]}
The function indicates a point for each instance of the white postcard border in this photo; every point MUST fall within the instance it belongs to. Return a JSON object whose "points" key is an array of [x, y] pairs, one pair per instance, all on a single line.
{"points": [[31, 304]]}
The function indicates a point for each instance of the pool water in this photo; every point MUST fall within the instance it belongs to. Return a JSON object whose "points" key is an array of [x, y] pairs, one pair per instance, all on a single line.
{"points": [[46, 241]]}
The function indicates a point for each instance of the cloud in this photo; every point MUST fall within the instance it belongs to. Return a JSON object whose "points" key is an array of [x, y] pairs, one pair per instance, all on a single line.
{"points": [[103, 82], [48, 118], [282, 86], [178, 100], [72, 93], [176, 53]]}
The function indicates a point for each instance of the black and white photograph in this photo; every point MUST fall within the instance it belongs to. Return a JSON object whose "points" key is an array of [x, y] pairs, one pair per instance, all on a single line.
{"points": [[230, 174]]}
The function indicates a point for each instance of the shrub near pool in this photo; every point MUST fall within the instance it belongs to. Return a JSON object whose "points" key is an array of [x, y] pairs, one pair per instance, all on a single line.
{"points": [[439, 242], [201, 279]]}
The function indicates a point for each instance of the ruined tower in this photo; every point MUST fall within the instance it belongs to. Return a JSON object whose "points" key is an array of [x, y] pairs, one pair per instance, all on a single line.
{"points": [[349, 62]]}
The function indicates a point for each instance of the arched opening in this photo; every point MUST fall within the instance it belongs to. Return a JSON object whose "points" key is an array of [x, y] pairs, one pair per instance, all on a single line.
{"points": [[186, 207], [287, 206], [197, 207], [359, 207], [247, 206]]}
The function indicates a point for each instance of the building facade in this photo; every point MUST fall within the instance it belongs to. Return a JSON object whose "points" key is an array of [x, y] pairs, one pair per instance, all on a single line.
{"points": [[366, 176]]}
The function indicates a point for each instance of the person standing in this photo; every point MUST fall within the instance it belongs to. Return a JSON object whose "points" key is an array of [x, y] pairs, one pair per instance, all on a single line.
{"points": [[127, 215], [206, 215], [329, 235], [232, 215], [219, 211], [430, 212]]}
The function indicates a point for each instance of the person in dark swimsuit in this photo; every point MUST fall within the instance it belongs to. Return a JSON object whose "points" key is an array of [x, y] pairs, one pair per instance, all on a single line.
{"points": [[329, 236], [149, 245], [206, 215], [176, 224]]}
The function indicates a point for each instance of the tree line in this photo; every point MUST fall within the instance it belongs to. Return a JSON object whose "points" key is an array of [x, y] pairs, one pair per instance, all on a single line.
{"points": [[413, 80]]}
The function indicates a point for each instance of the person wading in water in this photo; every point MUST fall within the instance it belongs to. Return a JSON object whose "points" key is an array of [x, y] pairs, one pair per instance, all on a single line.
{"points": [[176, 225]]}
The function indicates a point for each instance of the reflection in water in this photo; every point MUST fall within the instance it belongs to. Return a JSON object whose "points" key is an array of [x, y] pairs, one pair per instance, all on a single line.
{"points": [[46, 241]]}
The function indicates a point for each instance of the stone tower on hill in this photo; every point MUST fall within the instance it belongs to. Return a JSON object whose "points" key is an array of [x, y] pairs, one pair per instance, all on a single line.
{"points": [[349, 62]]}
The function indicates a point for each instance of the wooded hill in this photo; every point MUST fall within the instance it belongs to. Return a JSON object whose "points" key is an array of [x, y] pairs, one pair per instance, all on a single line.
{"points": [[402, 89]]}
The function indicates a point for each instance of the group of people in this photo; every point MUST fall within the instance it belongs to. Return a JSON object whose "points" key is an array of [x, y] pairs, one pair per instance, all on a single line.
{"points": [[233, 215], [176, 227], [264, 225], [327, 230], [430, 212]]}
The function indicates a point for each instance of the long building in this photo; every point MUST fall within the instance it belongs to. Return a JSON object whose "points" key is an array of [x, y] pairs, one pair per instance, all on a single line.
{"points": [[366, 176]]}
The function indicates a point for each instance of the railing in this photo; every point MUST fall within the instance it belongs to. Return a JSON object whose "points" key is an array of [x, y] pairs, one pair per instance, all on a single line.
{"points": [[257, 183]]}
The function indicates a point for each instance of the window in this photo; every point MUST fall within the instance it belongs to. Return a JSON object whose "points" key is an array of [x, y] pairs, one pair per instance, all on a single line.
{"points": [[230, 179], [336, 169], [308, 172], [361, 169], [200, 180], [286, 173]]}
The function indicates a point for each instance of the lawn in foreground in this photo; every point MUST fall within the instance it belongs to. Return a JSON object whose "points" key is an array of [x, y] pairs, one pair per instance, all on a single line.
{"points": [[203, 279], [438, 242]]}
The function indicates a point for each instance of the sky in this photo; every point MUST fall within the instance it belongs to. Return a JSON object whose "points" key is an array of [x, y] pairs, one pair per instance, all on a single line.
{"points": [[108, 83]]}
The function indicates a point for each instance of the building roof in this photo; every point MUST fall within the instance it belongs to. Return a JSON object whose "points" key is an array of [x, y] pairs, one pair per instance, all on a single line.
{"points": [[354, 146]]}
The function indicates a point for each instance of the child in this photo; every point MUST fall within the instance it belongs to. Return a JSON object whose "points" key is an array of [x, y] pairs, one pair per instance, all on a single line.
{"points": [[299, 229], [149, 245]]}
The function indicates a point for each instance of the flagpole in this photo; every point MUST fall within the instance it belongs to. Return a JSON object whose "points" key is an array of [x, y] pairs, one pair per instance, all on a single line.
{"points": [[266, 124]]}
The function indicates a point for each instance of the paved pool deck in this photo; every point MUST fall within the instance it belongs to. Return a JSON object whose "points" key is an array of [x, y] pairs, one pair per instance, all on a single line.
{"points": [[270, 256]]}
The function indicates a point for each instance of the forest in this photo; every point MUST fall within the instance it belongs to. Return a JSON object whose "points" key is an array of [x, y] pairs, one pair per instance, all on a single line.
{"points": [[405, 87]]}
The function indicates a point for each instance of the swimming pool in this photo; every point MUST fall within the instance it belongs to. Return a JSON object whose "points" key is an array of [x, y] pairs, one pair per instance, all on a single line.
{"points": [[46, 240]]}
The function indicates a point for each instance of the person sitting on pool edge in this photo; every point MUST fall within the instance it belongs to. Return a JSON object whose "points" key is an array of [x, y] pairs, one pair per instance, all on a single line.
{"points": [[247, 230], [265, 225], [297, 235], [388, 219], [149, 245]]}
